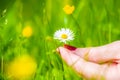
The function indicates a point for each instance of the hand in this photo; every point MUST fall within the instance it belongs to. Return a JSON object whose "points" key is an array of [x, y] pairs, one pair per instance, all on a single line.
{"points": [[95, 63]]}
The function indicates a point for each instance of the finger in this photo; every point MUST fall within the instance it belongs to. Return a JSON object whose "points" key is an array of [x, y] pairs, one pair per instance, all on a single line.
{"points": [[87, 69], [110, 52]]}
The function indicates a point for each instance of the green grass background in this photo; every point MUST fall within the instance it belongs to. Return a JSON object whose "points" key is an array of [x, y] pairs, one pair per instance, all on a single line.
{"points": [[94, 22]]}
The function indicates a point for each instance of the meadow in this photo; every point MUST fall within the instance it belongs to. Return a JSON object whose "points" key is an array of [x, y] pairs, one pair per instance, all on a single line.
{"points": [[27, 27]]}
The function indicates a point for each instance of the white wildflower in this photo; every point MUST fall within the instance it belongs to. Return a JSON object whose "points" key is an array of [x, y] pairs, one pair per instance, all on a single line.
{"points": [[64, 35]]}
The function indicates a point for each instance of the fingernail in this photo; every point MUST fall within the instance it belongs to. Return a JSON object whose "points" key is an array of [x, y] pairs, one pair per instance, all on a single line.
{"points": [[57, 50], [72, 48]]}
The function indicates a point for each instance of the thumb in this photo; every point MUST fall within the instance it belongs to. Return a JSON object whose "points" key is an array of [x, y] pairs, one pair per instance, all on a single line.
{"points": [[68, 56], [87, 69]]}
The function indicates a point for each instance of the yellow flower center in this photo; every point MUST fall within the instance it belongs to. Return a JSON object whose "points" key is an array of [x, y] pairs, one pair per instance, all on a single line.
{"points": [[64, 36]]}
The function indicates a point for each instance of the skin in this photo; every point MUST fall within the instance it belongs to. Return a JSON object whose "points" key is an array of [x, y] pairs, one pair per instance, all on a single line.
{"points": [[94, 63]]}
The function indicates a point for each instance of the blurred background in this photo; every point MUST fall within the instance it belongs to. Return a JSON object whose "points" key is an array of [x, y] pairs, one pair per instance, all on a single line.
{"points": [[27, 46]]}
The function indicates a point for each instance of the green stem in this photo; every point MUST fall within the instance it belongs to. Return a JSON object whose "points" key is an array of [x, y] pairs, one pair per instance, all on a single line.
{"points": [[110, 27]]}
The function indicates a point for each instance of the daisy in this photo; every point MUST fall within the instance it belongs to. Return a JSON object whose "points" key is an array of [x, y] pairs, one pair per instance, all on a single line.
{"points": [[64, 35]]}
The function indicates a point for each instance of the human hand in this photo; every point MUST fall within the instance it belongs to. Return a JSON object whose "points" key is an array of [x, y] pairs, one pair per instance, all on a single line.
{"points": [[94, 63]]}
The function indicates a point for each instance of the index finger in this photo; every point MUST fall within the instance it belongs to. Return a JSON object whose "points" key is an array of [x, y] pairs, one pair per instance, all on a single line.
{"points": [[106, 53]]}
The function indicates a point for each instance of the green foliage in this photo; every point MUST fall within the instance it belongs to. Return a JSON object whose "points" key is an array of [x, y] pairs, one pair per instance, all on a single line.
{"points": [[94, 22]]}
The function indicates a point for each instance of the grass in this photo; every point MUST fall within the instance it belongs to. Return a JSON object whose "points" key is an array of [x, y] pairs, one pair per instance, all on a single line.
{"points": [[95, 23]]}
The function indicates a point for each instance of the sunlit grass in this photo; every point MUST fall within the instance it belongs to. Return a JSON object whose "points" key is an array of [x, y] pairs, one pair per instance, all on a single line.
{"points": [[94, 22]]}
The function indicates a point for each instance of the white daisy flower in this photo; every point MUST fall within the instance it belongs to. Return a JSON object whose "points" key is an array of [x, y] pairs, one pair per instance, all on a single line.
{"points": [[64, 35]]}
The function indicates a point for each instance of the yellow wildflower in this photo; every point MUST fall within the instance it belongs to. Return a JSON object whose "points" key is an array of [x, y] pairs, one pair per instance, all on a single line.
{"points": [[68, 9], [21, 67], [48, 38], [27, 31]]}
